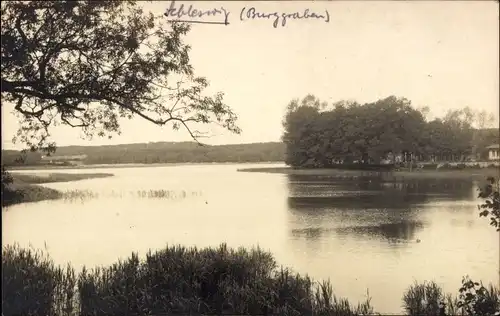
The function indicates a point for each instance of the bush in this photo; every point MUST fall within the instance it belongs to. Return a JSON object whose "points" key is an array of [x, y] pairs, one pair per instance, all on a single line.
{"points": [[476, 299], [16, 190], [32, 285], [424, 299], [179, 280], [10, 195], [176, 280]]}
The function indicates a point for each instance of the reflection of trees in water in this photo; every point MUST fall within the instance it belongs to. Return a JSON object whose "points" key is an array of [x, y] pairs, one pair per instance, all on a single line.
{"points": [[393, 232], [331, 192], [310, 233], [366, 208], [403, 231], [359, 201]]}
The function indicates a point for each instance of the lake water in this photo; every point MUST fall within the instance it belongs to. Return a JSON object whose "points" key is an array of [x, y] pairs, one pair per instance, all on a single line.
{"points": [[360, 234]]}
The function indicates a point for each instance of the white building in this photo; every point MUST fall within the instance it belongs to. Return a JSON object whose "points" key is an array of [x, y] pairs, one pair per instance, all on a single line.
{"points": [[493, 152]]}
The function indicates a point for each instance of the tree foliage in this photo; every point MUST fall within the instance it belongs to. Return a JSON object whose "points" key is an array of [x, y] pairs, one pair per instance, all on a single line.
{"points": [[491, 206], [9, 194], [87, 64], [317, 135]]}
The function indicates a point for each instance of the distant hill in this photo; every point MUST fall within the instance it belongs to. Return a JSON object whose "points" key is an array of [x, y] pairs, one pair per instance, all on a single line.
{"points": [[158, 152]]}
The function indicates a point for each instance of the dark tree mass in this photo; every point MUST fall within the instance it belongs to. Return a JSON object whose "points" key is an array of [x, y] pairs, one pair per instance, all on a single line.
{"points": [[320, 135], [87, 64]]}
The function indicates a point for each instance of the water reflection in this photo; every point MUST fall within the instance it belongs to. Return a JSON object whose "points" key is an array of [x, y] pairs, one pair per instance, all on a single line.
{"points": [[367, 233], [392, 232], [402, 232], [322, 207]]}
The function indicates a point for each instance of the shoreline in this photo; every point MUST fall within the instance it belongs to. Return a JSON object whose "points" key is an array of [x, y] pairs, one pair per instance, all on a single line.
{"points": [[133, 165], [27, 188], [473, 174]]}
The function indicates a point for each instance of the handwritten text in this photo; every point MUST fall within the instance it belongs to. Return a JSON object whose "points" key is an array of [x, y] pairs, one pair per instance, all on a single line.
{"points": [[220, 15], [192, 13], [252, 14]]}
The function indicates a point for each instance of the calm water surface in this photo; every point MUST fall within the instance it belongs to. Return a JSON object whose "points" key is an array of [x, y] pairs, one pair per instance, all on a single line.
{"points": [[360, 234]]}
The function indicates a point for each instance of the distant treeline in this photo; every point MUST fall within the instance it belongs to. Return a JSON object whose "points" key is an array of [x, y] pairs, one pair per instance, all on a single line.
{"points": [[160, 152], [317, 134]]}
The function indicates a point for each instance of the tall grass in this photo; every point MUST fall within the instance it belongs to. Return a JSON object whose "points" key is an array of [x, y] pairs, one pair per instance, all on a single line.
{"points": [[84, 195], [175, 280], [81, 195], [57, 177], [33, 285], [165, 194], [424, 299], [191, 281], [23, 193]]}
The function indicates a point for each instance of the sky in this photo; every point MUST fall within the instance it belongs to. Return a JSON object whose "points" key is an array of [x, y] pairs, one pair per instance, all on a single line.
{"points": [[440, 54]]}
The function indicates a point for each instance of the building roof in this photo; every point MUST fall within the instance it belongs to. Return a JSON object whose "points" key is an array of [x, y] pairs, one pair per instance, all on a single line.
{"points": [[494, 146]]}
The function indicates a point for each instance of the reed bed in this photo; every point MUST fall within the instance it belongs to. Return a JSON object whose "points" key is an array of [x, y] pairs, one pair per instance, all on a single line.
{"points": [[166, 194], [82, 195], [56, 177], [33, 285], [85, 195], [175, 280], [22, 193], [424, 299], [22, 188], [189, 281]]}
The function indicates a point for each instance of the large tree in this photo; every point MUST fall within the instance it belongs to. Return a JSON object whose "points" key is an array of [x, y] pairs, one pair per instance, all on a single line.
{"points": [[87, 64], [316, 135]]}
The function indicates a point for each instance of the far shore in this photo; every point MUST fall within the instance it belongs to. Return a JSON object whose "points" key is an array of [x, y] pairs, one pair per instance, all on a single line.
{"points": [[467, 173], [133, 165]]}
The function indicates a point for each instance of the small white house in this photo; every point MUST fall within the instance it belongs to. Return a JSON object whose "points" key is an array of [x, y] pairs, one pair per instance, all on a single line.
{"points": [[493, 152], [74, 159]]}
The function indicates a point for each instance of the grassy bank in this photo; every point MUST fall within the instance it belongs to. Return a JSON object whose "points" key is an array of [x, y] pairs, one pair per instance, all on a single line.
{"points": [[191, 281], [56, 177], [25, 187], [468, 173]]}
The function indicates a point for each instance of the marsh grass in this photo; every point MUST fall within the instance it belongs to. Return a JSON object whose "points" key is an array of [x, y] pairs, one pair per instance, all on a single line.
{"points": [[166, 194], [175, 280], [24, 187], [33, 285], [85, 195], [56, 177], [192, 281], [23, 193], [423, 299], [79, 195]]}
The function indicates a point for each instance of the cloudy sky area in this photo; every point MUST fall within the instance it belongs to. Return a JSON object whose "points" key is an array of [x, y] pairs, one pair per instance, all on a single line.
{"points": [[440, 54]]}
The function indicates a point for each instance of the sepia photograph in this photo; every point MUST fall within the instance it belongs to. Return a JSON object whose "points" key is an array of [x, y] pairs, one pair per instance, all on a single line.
{"points": [[294, 158]]}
